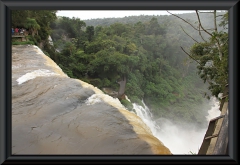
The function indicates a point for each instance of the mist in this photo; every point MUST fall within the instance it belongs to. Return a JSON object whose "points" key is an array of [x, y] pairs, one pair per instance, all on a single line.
{"points": [[184, 139]]}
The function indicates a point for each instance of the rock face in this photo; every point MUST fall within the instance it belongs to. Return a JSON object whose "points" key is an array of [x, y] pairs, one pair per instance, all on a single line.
{"points": [[54, 114]]}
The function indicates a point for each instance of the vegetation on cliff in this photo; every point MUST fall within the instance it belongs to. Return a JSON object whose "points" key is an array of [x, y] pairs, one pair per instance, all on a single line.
{"points": [[146, 52], [37, 24]]}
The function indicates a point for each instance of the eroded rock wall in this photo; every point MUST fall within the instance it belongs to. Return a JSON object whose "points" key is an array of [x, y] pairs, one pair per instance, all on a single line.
{"points": [[54, 114]]}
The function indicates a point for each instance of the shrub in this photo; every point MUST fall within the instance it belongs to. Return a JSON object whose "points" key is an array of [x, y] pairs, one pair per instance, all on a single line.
{"points": [[127, 104], [135, 99], [22, 43]]}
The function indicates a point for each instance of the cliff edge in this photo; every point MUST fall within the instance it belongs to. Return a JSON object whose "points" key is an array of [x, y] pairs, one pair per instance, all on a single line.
{"points": [[55, 114]]}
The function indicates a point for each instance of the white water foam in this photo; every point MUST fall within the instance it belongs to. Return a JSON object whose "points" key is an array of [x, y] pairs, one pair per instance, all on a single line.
{"points": [[100, 97], [127, 98], [179, 140], [214, 111], [145, 114], [34, 74], [39, 50], [93, 100]]}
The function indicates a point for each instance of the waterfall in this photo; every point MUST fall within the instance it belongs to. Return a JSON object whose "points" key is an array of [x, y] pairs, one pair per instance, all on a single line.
{"points": [[179, 140], [145, 114], [214, 111]]}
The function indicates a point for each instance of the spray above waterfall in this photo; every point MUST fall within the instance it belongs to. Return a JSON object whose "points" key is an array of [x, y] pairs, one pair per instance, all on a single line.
{"points": [[185, 139]]}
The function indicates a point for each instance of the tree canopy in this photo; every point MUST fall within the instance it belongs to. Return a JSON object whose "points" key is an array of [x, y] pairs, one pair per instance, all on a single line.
{"points": [[145, 51], [148, 54]]}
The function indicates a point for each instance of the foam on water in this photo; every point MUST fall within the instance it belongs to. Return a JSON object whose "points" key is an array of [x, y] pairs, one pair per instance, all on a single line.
{"points": [[145, 114], [214, 111], [100, 97], [139, 126], [34, 74], [127, 98], [38, 49], [93, 100]]}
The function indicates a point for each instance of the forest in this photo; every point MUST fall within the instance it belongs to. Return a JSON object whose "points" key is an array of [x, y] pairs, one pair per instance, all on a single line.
{"points": [[162, 60]]}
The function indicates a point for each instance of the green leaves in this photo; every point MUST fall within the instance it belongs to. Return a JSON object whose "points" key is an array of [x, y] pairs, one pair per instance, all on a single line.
{"points": [[213, 59], [37, 22], [90, 33], [147, 54], [32, 25]]}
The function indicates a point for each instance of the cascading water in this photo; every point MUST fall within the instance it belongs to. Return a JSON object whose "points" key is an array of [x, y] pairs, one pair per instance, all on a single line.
{"points": [[214, 111], [179, 140], [145, 114]]}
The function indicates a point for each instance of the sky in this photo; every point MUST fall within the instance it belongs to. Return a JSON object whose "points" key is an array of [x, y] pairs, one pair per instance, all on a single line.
{"points": [[92, 14]]}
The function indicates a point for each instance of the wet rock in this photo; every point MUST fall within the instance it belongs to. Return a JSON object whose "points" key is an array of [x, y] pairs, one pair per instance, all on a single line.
{"points": [[54, 114]]}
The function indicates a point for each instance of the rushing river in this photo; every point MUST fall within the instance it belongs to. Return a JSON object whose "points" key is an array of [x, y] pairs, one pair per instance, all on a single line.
{"points": [[179, 140]]}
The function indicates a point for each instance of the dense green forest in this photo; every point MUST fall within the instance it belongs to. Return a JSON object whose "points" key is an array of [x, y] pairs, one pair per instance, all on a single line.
{"points": [[146, 51]]}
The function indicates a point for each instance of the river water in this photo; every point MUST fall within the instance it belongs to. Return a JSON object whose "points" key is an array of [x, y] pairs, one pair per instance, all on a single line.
{"points": [[180, 140]]}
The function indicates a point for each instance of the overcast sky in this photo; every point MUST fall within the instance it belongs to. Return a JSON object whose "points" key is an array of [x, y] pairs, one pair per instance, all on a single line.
{"points": [[91, 14]]}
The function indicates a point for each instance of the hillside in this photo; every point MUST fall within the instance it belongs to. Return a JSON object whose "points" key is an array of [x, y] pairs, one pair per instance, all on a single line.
{"points": [[143, 50]]}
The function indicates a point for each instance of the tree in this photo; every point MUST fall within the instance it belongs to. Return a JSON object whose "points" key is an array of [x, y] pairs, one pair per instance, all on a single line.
{"points": [[43, 18], [69, 49], [129, 60], [19, 17], [32, 25], [212, 54], [154, 27], [90, 33], [37, 21]]}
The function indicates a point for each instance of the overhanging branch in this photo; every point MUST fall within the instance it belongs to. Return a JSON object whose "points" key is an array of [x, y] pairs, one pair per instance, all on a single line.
{"points": [[186, 21], [188, 34], [200, 24], [190, 55]]}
